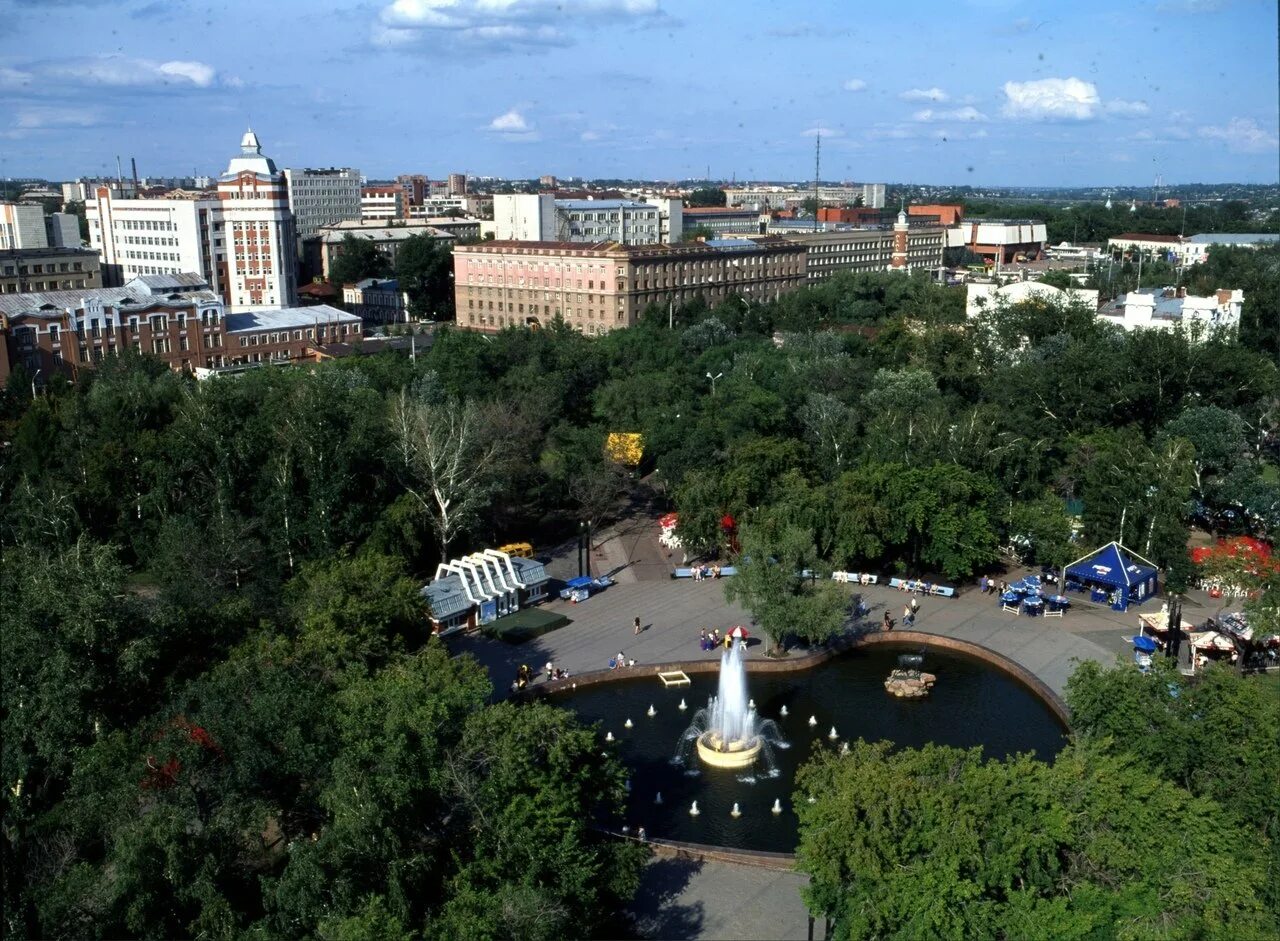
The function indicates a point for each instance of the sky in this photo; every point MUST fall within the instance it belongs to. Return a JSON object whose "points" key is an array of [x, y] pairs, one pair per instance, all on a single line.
{"points": [[979, 92]]}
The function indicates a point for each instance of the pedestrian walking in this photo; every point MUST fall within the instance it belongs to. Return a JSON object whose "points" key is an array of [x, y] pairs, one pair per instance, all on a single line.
{"points": [[907, 617], [637, 628], [888, 621], [982, 585], [915, 607]]}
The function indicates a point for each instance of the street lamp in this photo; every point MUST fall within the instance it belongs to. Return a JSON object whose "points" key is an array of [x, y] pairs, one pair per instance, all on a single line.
{"points": [[713, 381], [33, 383]]}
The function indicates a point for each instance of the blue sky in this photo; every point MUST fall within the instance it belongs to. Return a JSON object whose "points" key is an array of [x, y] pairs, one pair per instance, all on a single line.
{"points": [[970, 91]]}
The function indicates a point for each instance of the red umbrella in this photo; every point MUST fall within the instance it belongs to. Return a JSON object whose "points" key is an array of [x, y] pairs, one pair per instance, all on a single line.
{"points": [[668, 521], [739, 631]]}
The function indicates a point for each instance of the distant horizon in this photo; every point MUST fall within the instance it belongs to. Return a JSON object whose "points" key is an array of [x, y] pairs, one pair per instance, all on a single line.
{"points": [[652, 89]]}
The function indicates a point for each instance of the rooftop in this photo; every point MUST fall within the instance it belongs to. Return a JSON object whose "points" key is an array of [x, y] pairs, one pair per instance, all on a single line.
{"points": [[602, 204], [52, 252], [286, 318], [1146, 237], [130, 297], [1235, 238], [384, 234], [160, 283]]}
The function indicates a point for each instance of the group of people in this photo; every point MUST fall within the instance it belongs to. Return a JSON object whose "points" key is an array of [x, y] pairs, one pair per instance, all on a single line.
{"points": [[524, 675], [915, 585], [710, 640], [990, 586], [620, 661], [701, 572]]}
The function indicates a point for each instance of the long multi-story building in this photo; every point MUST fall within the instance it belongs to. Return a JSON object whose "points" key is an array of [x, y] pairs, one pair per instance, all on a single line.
{"points": [[765, 198], [457, 184], [174, 317], [22, 226], [603, 287], [901, 247], [320, 250], [722, 220], [1000, 241], [240, 238], [322, 197], [23, 271], [543, 218]]}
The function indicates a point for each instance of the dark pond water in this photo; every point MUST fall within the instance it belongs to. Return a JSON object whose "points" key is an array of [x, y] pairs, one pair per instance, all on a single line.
{"points": [[972, 704]]}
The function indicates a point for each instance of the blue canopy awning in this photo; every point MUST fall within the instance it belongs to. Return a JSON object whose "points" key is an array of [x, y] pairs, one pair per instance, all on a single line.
{"points": [[582, 581], [1112, 565]]}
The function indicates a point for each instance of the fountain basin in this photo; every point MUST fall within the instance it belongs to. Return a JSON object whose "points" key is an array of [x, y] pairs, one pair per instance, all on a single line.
{"points": [[714, 751]]}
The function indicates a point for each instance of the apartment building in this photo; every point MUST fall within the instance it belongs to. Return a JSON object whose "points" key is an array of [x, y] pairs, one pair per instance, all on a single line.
{"points": [[766, 198], [322, 197], [320, 250], [722, 220], [23, 271], [260, 263], [377, 300], [457, 184], [606, 286], [174, 317]]}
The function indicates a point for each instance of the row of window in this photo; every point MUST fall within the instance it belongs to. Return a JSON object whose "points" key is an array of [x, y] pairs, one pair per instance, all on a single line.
{"points": [[25, 270]]}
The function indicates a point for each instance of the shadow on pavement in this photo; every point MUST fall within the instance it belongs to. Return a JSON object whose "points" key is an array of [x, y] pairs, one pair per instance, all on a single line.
{"points": [[657, 910]]}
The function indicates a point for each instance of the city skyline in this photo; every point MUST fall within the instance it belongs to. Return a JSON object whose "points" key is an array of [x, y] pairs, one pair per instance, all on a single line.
{"points": [[978, 93]]}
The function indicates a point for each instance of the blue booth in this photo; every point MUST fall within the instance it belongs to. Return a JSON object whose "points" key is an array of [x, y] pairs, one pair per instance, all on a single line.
{"points": [[1114, 575]]}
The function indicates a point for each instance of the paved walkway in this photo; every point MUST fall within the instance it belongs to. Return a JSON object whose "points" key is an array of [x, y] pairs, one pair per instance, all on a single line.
{"points": [[682, 899]]}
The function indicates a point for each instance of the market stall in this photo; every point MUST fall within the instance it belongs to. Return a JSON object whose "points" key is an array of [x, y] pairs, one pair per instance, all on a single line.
{"points": [[1113, 575]]}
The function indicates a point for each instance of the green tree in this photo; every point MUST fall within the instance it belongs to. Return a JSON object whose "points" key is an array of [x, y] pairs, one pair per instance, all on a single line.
{"points": [[358, 258], [424, 269], [706, 197], [936, 842], [1217, 435], [781, 582]]}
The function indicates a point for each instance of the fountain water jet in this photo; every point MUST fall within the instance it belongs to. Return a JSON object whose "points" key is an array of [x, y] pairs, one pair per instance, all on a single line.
{"points": [[735, 812], [694, 811], [777, 805], [728, 733]]}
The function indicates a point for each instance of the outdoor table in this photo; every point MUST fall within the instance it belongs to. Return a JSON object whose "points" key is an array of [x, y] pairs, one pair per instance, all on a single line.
{"points": [[1011, 597], [1098, 594], [1060, 600], [1033, 606]]}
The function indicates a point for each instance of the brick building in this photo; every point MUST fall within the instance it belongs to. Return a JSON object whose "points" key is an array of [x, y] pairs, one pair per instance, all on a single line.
{"points": [[602, 287], [173, 317]]}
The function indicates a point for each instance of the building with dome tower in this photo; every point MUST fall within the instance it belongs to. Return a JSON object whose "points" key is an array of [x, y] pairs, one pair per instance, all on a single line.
{"points": [[258, 257], [239, 238]]}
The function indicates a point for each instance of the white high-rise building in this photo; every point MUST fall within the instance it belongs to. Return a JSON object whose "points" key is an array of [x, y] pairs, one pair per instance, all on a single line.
{"points": [[322, 197], [22, 226], [242, 241], [543, 218], [260, 255]]}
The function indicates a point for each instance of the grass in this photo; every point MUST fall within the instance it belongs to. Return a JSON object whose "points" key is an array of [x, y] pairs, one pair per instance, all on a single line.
{"points": [[525, 625]]}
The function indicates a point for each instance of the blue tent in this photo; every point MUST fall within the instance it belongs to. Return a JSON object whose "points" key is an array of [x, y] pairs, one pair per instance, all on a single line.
{"points": [[1119, 571]]}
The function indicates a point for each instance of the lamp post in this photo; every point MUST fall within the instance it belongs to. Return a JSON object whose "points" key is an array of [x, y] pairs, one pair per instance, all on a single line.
{"points": [[33, 383], [713, 381]]}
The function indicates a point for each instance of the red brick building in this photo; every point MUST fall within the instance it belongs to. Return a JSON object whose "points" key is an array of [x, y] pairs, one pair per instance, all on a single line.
{"points": [[173, 317]]}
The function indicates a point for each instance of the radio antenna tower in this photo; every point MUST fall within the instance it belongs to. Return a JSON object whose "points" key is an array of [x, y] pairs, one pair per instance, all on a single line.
{"points": [[817, 175]]}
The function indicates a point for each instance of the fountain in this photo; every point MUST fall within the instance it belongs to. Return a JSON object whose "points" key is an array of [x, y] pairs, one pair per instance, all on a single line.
{"points": [[783, 712], [694, 811], [652, 712], [833, 735], [683, 705], [777, 805], [608, 736], [728, 733], [628, 724], [735, 812], [658, 798], [813, 720]]}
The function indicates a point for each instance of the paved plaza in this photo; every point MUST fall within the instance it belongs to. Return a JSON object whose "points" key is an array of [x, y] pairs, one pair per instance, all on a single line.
{"points": [[688, 899]]}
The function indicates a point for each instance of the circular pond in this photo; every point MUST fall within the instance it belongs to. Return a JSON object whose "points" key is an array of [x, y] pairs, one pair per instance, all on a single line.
{"points": [[971, 704]]}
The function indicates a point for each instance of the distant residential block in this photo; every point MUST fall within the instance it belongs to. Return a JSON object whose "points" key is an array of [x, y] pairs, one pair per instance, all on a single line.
{"points": [[322, 197], [22, 226]]}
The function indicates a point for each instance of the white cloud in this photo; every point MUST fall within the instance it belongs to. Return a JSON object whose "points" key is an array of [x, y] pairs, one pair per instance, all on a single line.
{"points": [[117, 71], [1125, 108], [924, 94], [1051, 99], [31, 119], [824, 131], [1243, 135], [948, 135], [512, 122], [513, 126], [966, 113], [14, 78], [500, 23], [589, 136], [855, 84]]}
